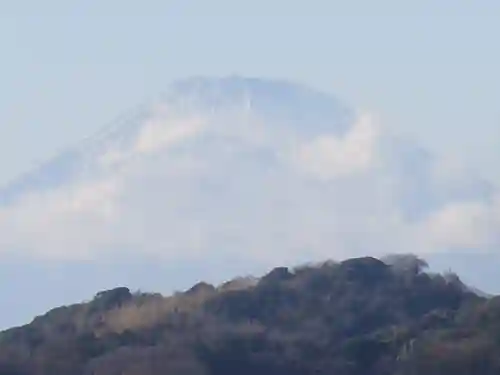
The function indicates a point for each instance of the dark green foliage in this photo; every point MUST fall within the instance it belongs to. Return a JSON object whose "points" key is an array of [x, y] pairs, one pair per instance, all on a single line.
{"points": [[111, 298], [362, 316]]}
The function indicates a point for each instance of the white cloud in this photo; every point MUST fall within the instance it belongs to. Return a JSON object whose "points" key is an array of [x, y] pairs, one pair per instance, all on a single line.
{"points": [[70, 222], [235, 192], [328, 156], [159, 133], [462, 225]]}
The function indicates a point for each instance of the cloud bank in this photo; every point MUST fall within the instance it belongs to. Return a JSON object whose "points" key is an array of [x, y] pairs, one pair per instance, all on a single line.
{"points": [[234, 181]]}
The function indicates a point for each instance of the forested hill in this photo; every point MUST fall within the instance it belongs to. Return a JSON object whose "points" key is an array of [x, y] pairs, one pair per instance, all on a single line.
{"points": [[362, 316]]}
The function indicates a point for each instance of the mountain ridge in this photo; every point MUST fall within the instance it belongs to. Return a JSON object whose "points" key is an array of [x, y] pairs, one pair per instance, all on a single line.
{"points": [[199, 94], [356, 317]]}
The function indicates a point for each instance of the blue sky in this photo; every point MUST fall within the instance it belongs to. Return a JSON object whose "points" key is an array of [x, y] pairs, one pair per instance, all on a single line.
{"points": [[428, 70]]}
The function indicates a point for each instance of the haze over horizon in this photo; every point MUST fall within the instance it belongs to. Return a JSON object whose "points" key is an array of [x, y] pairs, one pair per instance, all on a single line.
{"points": [[353, 140]]}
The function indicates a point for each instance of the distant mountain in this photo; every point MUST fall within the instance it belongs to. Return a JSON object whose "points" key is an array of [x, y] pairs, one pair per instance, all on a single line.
{"points": [[231, 167], [362, 316], [297, 108]]}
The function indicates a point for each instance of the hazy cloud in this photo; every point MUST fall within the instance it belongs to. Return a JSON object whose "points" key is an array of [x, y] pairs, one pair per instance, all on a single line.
{"points": [[229, 183], [328, 156], [466, 225]]}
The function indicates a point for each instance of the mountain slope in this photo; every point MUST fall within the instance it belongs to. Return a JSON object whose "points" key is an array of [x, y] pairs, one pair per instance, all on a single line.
{"points": [[185, 177], [358, 317], [277, 102]]}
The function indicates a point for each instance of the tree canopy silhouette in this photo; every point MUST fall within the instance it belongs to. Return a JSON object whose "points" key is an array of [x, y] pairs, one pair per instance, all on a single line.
{"points": [[362, 316]]}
